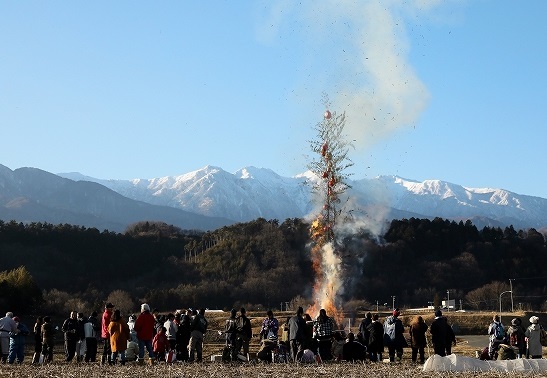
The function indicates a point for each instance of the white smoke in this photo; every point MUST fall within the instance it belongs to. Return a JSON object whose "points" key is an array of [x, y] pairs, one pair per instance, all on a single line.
{"points": [[330, 284], [357, 53]]}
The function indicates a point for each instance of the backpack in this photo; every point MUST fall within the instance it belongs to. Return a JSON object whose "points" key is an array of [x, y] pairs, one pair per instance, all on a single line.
{"points": [[514, 339], [499, 332]]}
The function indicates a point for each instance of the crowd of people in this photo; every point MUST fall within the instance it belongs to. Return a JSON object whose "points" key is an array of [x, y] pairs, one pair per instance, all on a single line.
{"points": [[515, 341], [179, 336]]}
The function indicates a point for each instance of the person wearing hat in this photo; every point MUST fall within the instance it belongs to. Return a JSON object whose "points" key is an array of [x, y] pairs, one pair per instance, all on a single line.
{"points": [[17, 342], [7, 326], [91, 332], [393, 336], [533, 338], [516, 337], [105, 322]]}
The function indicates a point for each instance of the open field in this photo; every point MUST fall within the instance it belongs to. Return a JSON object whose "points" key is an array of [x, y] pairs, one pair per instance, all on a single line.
{"points": [[214, 343]]}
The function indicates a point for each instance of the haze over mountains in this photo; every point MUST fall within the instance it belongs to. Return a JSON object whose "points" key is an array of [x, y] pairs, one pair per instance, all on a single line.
{"points": [[210, 197]]}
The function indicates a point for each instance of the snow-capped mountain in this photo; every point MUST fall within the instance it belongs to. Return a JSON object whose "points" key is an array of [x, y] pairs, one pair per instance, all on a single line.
{"points": [[257, 192]]}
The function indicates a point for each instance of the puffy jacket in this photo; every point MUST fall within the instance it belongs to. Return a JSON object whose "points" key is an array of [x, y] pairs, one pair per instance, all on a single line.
{"points": [[144, 326]]}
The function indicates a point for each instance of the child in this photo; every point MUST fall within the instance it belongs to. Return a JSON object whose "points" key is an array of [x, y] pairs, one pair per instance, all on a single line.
{"points": [[160, 344]]}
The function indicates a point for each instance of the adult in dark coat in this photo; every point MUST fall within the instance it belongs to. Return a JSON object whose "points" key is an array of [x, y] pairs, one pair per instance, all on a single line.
{"points": [[393, 336], [364, 333], [297, 329], [183, 337], [70, 329], [516, 337], [418, 342], [376, 339], [439, 333]]}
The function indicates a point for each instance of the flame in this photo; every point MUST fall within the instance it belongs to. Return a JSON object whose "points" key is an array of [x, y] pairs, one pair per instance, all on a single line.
{"points": [[327, 287]]}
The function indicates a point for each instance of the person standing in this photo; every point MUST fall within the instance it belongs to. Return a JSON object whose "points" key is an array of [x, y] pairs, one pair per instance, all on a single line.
{"points": [[496, 334], [533, 338], [171, 330], [199, 328], [230, 328], [17, 342], [37, 340], [439, 333], [105, 321], [364, 333], [516, 337], [183, 337], [297, 329], [393, 335], [48, 339], [91, 333], [131, 325], [70, 329], [144, 326], [81, 346], [323, 330], [270, 327], [376, 339], [119, 335], [418, 341], [244, 333], [7, 326], [160, 344]]}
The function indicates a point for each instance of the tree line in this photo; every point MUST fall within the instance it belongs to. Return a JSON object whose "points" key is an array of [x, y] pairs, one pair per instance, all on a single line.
{"points": [[261, 263]]}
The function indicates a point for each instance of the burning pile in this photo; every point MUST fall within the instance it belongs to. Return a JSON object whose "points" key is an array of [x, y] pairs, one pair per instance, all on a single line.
{"points": [[329, 168]]}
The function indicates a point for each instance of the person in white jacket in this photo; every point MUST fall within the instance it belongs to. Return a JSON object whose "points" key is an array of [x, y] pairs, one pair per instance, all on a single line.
{"points": [[533, 338], [7, 326]]}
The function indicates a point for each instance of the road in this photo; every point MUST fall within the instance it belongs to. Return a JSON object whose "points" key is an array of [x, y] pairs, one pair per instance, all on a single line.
{"points": [[475, 341]]}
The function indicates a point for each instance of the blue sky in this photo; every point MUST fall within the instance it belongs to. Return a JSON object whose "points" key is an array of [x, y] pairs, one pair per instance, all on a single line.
{"points": [[450, 90]]}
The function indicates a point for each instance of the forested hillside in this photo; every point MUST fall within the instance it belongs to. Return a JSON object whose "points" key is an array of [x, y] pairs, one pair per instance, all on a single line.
{"points": [[263, 263]]}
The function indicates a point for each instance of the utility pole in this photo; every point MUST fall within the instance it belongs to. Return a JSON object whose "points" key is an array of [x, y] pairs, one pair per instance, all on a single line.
{"points": [[511, 287], [393, 301], [448, 300]]}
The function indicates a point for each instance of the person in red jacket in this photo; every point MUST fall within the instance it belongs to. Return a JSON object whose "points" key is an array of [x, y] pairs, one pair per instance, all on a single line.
{"points": [[144, 326], [161, 344], [105, 335]]}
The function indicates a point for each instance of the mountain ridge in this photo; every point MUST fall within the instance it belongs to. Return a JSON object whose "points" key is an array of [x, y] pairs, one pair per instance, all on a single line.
{"points": [[209, 197], [253, 192]]}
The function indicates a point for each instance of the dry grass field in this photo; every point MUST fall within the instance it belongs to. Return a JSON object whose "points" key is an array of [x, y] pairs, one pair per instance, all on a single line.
{"points": [[214, 344]]}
